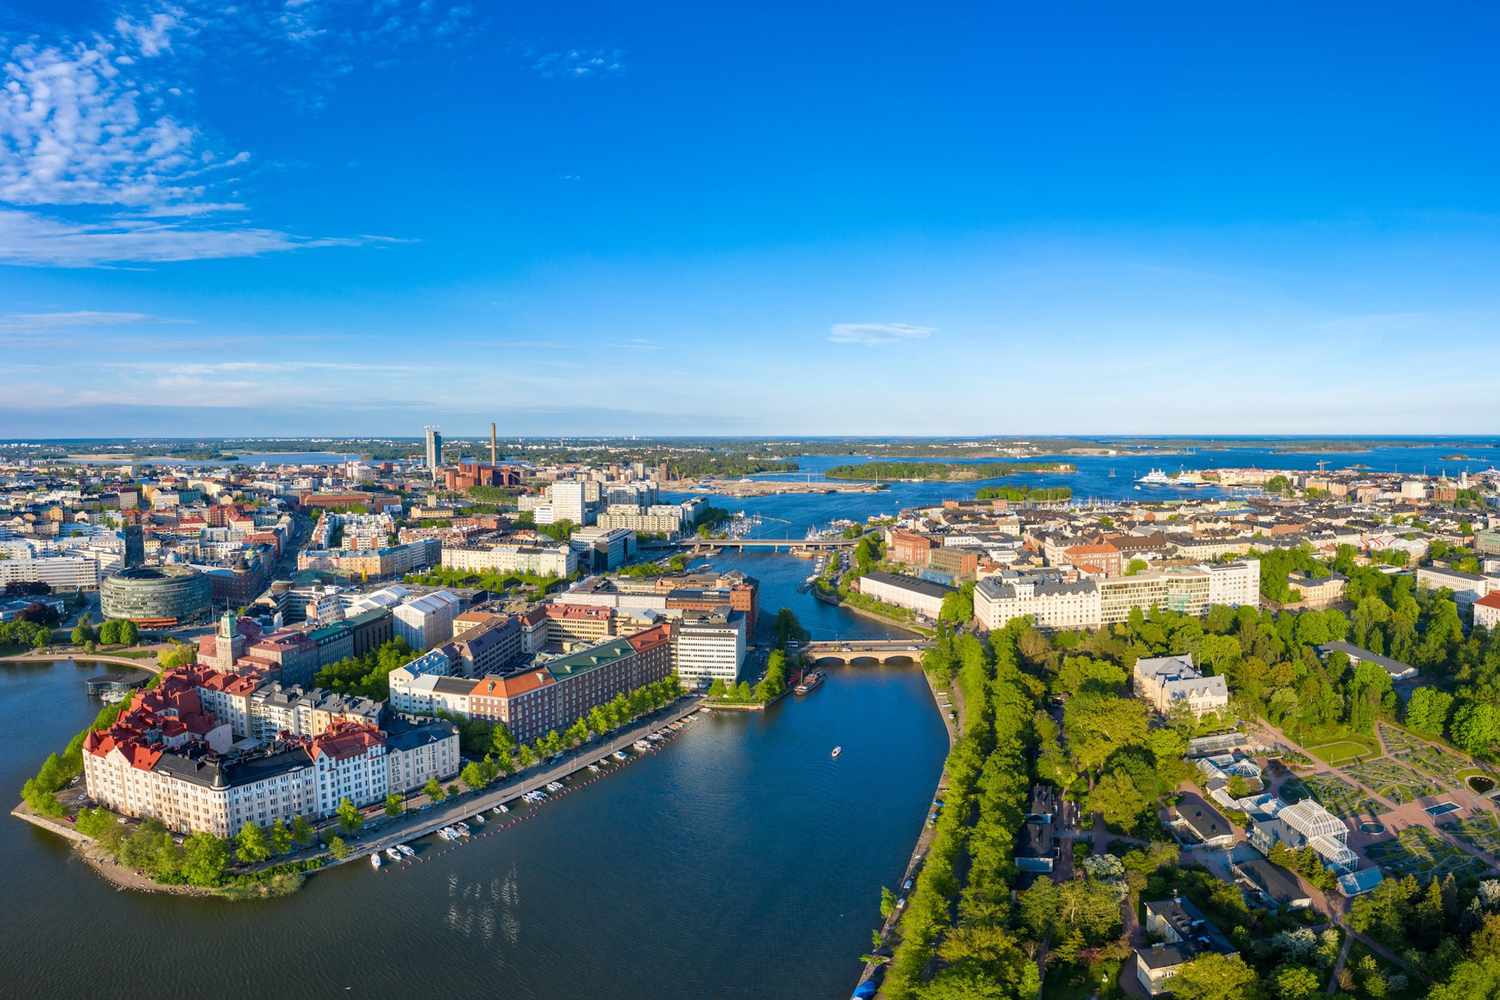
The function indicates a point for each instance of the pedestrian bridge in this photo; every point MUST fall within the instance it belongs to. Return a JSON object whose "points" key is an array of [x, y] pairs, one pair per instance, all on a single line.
{"points": [[867, 651]]}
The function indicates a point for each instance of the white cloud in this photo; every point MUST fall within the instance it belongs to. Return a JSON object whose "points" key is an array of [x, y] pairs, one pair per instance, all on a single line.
{"points": [[876, 334], [44, 322], [30, 238], [152, 35], [579, 63]]}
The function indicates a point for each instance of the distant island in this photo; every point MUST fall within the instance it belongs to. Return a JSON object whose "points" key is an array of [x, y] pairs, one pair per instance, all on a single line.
{"points": [[1023, 494], [942, 472]]}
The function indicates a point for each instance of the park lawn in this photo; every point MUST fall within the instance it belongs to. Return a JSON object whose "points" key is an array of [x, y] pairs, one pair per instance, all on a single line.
{"points": [[1340, 751], [1071, 982]]}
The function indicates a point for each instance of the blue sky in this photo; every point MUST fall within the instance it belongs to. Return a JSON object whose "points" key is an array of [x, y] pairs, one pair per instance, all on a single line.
{"points": [[320, 216]]}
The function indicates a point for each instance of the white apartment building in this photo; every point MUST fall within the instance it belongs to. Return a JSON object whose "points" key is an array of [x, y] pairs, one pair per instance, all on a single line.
{"points": [[350, 766], [709, 647], [543, 560], [1090, 603], [1235, 584], [1050, 602]]}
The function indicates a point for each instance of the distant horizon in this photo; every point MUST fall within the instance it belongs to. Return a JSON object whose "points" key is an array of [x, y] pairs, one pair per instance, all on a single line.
{"points": [[626, 437]]}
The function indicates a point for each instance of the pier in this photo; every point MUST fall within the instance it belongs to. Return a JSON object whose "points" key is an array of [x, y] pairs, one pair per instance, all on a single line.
{"points": [[433, 819]]}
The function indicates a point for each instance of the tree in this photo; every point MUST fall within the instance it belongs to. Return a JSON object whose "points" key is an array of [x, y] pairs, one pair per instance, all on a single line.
{"points": [[1136, 566], [1118, 800], [1427, 711], [251, 845], [302, 831], [887, 903], [109, 632], [338, 848], [435, 792], [204, 858], [526, 756], [393, 805], [473, 776], [177, 654], [1475, 726], [281, 838], [1214, 977], [1296, 982], [350, 818], [128, 633], [717, 688]]}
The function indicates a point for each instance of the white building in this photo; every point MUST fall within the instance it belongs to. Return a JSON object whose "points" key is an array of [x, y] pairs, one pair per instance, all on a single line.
{"points": [[543, 560], [922, 596], [568, 503], [1169, 681], [709, 647], [427, 620], [1466, 587], [1049, 601], [58, 572]]}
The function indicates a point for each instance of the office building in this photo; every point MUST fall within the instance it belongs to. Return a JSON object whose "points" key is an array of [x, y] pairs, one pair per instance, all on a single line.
{"points": [[434, 451], [709, 646]]}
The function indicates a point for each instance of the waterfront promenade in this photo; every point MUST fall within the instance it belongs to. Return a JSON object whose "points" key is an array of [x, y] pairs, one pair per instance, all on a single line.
{"points": [[146, 663], [420, 823]]}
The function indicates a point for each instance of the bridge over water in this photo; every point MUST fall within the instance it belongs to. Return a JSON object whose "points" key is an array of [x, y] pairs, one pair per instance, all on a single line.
{"points": [[866, 650], [822, 544]]}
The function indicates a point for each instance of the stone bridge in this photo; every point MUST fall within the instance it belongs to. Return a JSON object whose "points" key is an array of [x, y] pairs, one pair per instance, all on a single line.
{"points": [[867, 650]]}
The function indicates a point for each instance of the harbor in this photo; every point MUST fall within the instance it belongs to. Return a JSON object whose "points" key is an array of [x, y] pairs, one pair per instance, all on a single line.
{"points": [[540, 902]]}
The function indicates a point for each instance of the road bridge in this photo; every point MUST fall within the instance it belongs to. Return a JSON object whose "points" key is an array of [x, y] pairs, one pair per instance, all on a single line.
{"points": [[819, 544], [865, 650]]}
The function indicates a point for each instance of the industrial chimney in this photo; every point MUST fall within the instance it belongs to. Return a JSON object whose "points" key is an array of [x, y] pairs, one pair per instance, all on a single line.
{"points": [[492, 443]]}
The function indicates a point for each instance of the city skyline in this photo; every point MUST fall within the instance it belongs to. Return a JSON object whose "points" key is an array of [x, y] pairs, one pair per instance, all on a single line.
{"points": [[312, 219]]}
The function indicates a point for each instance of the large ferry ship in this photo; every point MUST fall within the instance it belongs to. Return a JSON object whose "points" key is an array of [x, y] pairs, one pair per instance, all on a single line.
{"points": [[1156, 477]]}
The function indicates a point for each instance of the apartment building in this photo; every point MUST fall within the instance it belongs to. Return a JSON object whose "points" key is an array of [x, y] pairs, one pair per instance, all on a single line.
{"points": [[1049, 600], [543, 560], [554, 694], [167, 758]]}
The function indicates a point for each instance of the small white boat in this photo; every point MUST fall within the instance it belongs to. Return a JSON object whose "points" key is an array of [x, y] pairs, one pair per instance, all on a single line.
{"points": [[393, 854], [498, 810], [594, 768], [620, 755], [479, 818], [502, 808], [406, 851], [837, 751], [375, 861], [463, 829], [446, 833]]}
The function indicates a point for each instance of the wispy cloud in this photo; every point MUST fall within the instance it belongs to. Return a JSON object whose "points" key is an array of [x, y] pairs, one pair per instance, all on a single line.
{"points": [[45, 322], [34, 239], [579, 63], [636, 344], [877, 334], [97, 125]]}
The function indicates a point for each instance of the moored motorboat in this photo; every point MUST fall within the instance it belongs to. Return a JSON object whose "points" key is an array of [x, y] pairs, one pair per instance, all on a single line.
{"points": [[375, 860], [836, 752]]}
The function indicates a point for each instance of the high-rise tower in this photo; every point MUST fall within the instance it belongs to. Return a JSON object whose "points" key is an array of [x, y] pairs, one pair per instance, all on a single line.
{"points": [[434, 450]]}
